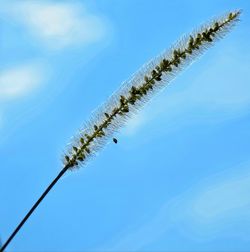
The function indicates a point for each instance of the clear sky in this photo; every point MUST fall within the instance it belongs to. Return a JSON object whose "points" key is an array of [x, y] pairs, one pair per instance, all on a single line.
{"points": [[179, 177]]}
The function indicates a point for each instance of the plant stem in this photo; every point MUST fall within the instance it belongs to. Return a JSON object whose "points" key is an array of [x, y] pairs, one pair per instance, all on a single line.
{"points": [[61, 173]]}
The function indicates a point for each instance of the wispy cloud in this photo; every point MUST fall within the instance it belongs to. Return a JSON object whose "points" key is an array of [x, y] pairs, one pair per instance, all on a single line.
{"points": [[212, 206], [222, 199], [134, 123], [20, 80], [1, 119], [58, 24], [215, 94], [205, 211]]}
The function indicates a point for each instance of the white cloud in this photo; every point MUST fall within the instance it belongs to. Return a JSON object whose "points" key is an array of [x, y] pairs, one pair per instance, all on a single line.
{"points": [[224, 85], [19, 81], [58, 24], [1, 119], [134, 123], [222, 199], [203, 212], [215, 206], [218, 93]]}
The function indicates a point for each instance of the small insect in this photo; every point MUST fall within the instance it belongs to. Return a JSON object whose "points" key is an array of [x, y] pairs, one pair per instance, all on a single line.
{"points": [[115, 140]]}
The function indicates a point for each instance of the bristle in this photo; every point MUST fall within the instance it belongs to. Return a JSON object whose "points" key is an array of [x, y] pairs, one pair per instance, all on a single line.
{"points": [[133, 93]]}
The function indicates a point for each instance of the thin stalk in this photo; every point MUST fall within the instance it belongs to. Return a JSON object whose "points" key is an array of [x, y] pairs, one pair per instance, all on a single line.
{"points": [[61, 173]]}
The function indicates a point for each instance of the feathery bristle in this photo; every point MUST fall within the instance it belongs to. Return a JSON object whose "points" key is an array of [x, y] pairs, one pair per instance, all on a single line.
{"points": [[134, 92]]}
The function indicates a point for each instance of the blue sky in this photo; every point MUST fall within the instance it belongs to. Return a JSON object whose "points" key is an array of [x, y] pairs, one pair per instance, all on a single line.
{"points": [[179, 177]]}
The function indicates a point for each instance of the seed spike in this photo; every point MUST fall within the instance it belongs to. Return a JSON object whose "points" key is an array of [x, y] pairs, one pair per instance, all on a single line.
{"points": [[152, 77]]}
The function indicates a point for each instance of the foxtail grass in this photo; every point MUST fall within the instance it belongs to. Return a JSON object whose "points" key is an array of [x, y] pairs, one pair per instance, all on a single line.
{"points": [[137, 90], [133, 94]]}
